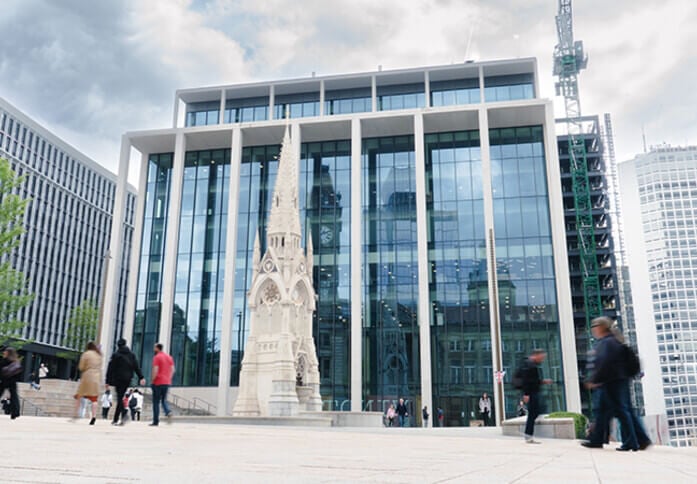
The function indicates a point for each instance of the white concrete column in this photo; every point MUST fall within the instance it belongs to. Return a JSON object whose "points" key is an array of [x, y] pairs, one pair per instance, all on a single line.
{"points": [[111, 289], [567, 333], [321, 97], [221, 117], [175, 115], [424, 306], [134, 263], [356, 270], [223, 404], [374, 93], [427, 94], [494, 320], [169, 269], [481, 84], [272, 100]]}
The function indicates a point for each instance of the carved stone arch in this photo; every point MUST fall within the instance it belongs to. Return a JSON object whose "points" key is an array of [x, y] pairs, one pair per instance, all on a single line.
{"points": [[302, 363]]}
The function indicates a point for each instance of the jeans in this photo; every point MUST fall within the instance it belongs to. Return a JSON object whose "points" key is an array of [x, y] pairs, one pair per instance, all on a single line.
{"points": [[105, 412], [615, 401], [402, 419], [159, 394], [534, 410], [120, 409], [11, 386]]}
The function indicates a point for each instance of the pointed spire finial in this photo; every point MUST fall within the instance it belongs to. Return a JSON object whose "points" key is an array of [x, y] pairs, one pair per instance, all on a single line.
{"points": [[256, 257]]}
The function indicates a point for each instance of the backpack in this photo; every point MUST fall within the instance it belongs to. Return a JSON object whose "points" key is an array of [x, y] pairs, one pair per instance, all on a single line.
{"points": [[632, 365]]}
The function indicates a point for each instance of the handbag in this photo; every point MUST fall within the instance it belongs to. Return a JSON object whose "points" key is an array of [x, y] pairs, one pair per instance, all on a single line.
{"points": [[12, 369]]}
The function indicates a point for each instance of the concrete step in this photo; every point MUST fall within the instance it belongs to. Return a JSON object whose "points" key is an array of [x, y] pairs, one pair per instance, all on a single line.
{"points": [[277, 421]]}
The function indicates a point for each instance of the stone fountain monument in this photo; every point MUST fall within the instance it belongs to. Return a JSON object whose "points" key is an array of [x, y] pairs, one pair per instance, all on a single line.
{"points": [[280, 375]]}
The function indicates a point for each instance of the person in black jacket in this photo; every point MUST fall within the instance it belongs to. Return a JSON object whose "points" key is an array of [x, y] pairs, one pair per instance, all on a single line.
{"points": [[610, 380], [402, 412], [10, 360], [122, 366], [532, 381]]}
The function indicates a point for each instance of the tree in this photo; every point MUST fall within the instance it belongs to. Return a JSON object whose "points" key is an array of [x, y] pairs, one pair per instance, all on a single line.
{"points": [[82, 325], [13, 291]]}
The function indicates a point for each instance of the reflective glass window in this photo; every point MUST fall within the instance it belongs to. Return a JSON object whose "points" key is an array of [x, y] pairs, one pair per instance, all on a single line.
{"points": [[391, 368], [524, 256]]}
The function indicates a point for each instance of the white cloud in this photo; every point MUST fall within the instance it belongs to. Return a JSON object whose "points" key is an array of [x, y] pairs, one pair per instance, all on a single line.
{"points": [[92, 71]]}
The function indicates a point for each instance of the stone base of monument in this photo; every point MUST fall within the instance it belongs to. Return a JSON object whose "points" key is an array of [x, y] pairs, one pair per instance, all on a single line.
{"points": [[304, 419], [545, 428]]}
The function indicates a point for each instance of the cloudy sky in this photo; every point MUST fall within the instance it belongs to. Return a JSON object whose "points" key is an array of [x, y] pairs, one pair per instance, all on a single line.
{"points": [[92, 70]]}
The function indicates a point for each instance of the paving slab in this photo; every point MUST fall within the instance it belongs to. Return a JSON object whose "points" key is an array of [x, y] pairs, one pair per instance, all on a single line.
{"points": [[50, 450]]}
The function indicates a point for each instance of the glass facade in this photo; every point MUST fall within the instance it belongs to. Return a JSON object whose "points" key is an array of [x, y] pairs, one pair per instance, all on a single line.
{"points": [[301, 105], [325, 174], [403, 96], [528, 309], [348, 101], [203, 118], [390, 274], [246, 114], [461, 363], [198, 299], [509, 88], [152, 255], [257, 177], [461, 91]]}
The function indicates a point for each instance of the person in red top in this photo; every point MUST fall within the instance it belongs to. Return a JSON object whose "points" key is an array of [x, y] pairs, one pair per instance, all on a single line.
{"points": [[162, 371]]}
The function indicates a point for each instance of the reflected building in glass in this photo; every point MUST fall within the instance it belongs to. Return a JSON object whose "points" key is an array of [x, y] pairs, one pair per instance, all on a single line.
{"points": [[433, 200]]}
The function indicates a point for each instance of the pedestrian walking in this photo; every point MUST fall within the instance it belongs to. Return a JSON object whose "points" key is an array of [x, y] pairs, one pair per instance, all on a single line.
{"points": [[531, 379], [162, 371], [34, 381], [402, 412], [425, 415], [10, 372], [485, 409], [441, 416], [391, 415], [43, 373], [90, 367], [122, 366], [135, 404], [106, 403], [610, 379]]}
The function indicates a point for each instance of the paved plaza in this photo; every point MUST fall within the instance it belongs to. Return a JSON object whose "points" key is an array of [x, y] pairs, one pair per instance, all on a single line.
{"points": [[43, 450]]}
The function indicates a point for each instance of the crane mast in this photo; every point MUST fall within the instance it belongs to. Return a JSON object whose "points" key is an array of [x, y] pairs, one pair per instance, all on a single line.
{"points": [[569, 60]]}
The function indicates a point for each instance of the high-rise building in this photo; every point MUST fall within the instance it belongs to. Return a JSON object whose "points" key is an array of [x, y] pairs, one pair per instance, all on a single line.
{"points": [[659, 196], [434, 202], [605, 249], [67, 228]]}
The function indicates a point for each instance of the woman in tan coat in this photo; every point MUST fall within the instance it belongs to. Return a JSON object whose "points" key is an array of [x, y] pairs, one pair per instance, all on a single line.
{"points": [[90, 378]]}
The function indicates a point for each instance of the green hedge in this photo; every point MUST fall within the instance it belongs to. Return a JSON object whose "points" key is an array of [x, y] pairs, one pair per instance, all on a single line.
{"points": [[580, 422]]}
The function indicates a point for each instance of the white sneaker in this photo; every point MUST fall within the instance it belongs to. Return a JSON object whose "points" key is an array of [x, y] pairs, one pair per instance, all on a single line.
{"points": [[530, 440]]}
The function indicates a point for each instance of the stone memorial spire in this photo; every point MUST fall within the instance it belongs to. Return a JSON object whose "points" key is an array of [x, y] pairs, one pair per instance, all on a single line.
{"points": [[280, 375]]}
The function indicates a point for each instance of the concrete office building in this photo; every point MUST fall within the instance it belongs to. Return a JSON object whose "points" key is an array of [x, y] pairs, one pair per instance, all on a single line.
{"points": [[659, 196], [429, 193], [67, 229]]}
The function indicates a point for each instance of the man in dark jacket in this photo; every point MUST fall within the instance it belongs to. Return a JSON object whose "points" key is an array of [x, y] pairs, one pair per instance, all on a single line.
{"points": [[402, 412], [119, 374], [610, 379], [532, 380]]}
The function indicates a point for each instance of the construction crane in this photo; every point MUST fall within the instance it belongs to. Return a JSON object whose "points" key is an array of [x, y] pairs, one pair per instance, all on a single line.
{"points": [[569, 60]]}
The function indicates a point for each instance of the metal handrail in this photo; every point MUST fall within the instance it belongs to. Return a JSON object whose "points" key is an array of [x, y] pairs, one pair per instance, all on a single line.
{"points": [[185, 404], [37, 411]]}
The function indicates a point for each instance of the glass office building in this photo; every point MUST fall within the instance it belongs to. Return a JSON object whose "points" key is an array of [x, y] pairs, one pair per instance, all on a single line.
{"points": [[67, 226], [432, 198], [661, 243]]}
